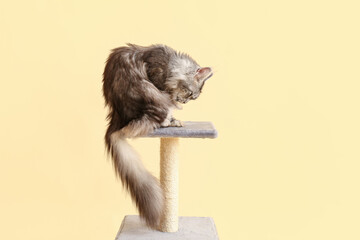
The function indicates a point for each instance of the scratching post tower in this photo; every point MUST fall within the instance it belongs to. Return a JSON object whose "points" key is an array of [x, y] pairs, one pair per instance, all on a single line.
{"points": [[171, 226]]}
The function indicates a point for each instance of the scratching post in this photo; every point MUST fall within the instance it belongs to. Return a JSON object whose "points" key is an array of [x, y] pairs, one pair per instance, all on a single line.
{"points": [[171, 226], [169, 180]]}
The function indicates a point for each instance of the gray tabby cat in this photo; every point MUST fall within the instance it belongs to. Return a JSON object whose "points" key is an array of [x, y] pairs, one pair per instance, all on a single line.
{"points": [[141, 86]]}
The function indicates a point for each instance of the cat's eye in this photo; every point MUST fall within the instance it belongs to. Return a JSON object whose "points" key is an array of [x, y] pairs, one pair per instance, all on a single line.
{"points": [[189, 93]]}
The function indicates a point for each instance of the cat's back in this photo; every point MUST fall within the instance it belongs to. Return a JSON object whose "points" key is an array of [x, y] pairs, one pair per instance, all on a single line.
{"points": [[123, 71], [124, 56], [135, 57]]}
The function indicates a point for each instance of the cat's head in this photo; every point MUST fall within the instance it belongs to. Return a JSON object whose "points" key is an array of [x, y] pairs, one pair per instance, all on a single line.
{"points": [[187, 79], [190, 88]]}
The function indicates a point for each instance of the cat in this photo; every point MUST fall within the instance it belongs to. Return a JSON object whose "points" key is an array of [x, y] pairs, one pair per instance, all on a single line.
{"points": [[141, 87]]}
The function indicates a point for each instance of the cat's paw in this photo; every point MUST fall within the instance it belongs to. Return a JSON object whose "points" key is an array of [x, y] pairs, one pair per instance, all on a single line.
{"points": [[176, 123], [166, 123]]}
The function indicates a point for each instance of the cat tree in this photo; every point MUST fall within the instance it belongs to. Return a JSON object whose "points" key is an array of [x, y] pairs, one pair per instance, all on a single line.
{"points": [[171, 226]]}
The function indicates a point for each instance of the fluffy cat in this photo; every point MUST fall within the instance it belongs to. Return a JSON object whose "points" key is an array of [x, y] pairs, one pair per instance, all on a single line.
{"points": [[141, 85]]}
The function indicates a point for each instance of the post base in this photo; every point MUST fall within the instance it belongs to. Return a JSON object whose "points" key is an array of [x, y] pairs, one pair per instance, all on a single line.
{"points": [[190, 228]]}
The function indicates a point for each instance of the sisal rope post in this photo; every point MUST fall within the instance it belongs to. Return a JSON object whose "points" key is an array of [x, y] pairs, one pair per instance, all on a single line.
{"points": [[169, 180]]}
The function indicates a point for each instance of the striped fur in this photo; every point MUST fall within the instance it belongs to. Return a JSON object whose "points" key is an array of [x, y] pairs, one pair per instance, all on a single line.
{"points": [[141, 85]]}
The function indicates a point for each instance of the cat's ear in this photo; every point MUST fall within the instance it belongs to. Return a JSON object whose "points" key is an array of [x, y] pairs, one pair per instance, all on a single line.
{"points": [[203, 74]]}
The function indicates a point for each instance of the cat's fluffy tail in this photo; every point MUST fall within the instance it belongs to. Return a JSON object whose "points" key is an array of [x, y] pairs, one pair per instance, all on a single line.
{"points": [[144, 188]]}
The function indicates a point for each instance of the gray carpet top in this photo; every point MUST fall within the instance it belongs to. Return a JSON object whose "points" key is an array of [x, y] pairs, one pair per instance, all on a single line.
{"points": [[189, 130]]}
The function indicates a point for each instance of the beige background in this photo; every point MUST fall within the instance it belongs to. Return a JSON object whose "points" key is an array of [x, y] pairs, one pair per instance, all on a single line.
{"points": [[284, 97]]}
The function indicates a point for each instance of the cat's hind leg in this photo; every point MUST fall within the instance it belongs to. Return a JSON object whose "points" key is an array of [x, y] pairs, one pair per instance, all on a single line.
{"points": [[139, 127]]}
